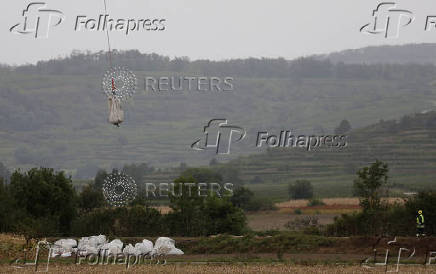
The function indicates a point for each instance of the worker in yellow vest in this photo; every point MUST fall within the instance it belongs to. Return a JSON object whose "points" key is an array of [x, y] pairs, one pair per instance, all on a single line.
{"points": [[420, 224]]}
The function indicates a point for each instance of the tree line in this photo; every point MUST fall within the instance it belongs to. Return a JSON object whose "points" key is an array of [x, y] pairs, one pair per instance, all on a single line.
{"points": [[379, 217], [82, 63], [43, 202]]}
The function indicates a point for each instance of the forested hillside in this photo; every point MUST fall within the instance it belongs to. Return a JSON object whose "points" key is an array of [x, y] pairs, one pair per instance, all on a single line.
{"points": [[413, 53], [53, 113], [406, 144]]}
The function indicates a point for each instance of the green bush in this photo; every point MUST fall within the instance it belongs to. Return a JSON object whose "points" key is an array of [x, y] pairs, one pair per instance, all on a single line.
{"points": [[244, 198], [425, 201], [42, 202], [122, 221], [258, 204], [195, 215], [315, 202], [301, 189], [278, 242], [300, 223], [45, 202], [394, 220]]}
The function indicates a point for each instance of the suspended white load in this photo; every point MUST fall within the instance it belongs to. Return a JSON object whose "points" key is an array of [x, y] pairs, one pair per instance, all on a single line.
{"points": [[116, 114]]}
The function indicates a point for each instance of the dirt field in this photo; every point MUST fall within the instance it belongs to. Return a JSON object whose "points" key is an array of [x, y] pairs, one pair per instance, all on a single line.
{"points": [[203, 268], [286, 211], [343, 202], [276, 220], [343, 255]]}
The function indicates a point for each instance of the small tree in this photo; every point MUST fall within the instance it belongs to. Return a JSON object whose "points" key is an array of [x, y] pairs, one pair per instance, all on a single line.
{"points": [[230, 175], [138, 172], [203, 175], [242, 197], [222, 216], [87, 171], [256, 180], [213, 162], [425, 201], [186, 218], [301, 189], [196, 215], [343, 127], [46, 199], [8, 209], [91, 198], [369, 184], [4, 173], [99, 179]]}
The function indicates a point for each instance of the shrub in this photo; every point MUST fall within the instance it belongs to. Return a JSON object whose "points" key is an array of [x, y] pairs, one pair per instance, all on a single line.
{"points": [[46, 200], [300, 223], [245, 199], [122, 221], [258, 204], [301, 189], [316, 202]]}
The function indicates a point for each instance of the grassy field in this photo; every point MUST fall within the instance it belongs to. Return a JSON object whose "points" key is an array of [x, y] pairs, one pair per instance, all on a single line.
{"points": [[297, 209], [293, 209], [342, 187], [409, 153], [65, 125], [225, 254], [340, 203], [206, 268]]}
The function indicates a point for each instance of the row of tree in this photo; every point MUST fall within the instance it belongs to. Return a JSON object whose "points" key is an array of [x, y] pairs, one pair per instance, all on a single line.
{"points": [[42, 202], [378, 216], [87, 62]]}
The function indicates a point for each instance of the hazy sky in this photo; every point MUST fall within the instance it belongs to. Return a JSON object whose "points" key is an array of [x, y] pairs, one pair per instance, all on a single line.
{"points": [[213, 29]]}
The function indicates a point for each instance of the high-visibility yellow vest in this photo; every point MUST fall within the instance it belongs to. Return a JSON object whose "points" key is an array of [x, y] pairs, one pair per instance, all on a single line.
{"points": [[420, 220]]}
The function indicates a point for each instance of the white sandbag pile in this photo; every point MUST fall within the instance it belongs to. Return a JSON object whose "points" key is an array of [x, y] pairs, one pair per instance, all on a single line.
{"points": [[99, 245], [129, 250], [166, 246], [115, 247], [91, 245], [63, 248], [143, 248]]}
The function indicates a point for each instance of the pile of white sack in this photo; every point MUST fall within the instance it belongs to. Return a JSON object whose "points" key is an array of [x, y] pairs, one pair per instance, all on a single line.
{"points": [[165, 246], [99, 244], [144, 248], [64, 248]]}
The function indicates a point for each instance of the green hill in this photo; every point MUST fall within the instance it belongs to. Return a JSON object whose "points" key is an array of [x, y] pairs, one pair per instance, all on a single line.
{"points": [[407, 145], [411, 53], [53, 113]]}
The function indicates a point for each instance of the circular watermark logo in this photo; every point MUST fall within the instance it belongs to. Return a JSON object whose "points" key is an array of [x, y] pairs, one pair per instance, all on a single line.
{"points": [[119, 189], [119, 82]]}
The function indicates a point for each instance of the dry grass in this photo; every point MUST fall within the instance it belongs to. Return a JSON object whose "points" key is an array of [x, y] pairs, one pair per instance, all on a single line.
{"points": [[334, 206], [11, 246], [293, 204], [163, 209], [13, 239], [276, 220], [343, 202], [203, 268], [320, 211]]}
